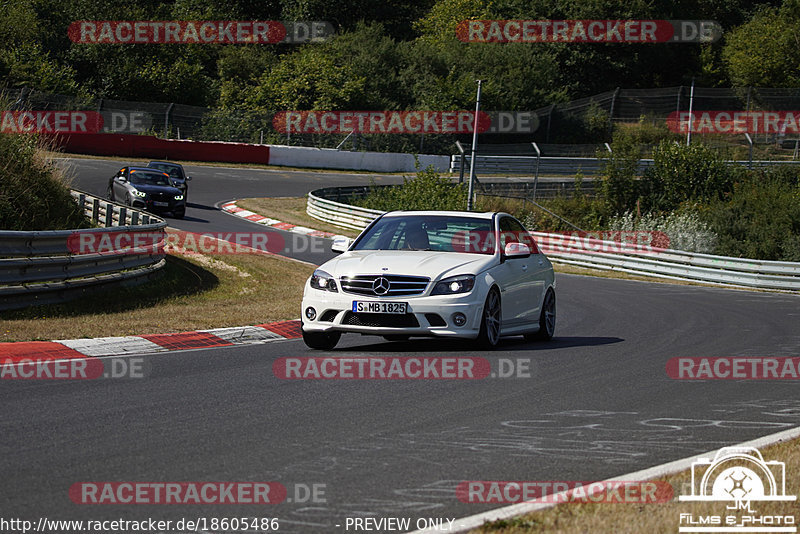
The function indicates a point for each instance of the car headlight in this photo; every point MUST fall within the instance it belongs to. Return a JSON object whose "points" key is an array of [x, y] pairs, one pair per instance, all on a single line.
{"points": [[178, 197], [455, 284], [322, 280], [138, 193]]}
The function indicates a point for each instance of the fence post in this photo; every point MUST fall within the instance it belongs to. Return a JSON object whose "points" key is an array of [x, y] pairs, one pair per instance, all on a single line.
{"points": [[166, 118], [461, 162], [611, 113], [750, 142], [536, 176]]}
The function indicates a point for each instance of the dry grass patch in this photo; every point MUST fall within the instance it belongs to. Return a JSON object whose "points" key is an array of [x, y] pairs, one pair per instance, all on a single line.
{"points": [[192, 292]]}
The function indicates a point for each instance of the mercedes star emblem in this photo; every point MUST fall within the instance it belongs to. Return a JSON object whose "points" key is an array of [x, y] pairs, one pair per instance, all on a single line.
{"points": [[380, 286]]}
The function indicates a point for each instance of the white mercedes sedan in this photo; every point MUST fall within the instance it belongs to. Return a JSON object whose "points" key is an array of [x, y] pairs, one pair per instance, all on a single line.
{"points": [[433, 273]]}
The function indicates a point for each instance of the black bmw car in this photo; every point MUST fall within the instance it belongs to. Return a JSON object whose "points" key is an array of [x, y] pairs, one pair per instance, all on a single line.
{"points": [[150, 189], [176, 174]]}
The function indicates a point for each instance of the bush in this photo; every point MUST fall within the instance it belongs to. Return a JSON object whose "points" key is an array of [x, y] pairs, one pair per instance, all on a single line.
{"points": [[427, 191], [32, 193], [680, 173], [760, 218], [581, 210], [684, 229], [619, 187]]}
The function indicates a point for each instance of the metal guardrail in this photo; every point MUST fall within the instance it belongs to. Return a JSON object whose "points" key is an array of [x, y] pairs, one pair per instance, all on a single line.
{"points": [[320, 206], [659, 263], [41, 267], [563, 166]]}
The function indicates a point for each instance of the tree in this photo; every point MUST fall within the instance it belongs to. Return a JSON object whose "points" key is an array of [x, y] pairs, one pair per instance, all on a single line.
{"points": [[765, 52]]}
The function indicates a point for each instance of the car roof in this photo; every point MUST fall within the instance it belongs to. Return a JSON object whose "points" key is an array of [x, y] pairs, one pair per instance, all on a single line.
{"points": [[465, 214], [147, 169], [167, 163]]}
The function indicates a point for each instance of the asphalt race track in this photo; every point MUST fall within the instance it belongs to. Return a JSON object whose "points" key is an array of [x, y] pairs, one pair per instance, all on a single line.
{"points": [[597, 402]]}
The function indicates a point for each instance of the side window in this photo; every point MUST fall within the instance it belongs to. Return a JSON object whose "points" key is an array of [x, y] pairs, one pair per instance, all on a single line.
{"points": [[512, 231]]}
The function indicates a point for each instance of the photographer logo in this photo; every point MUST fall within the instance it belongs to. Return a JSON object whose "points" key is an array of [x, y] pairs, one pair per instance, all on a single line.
{"points": [[738, 477]]}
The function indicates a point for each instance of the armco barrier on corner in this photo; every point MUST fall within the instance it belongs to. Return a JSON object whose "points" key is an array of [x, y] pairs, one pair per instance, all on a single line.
{"points": [[41, 267], [329, 205]]}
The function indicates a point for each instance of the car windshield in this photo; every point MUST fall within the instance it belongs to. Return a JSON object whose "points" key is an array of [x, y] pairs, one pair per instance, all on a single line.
{"points": [[430, 232], [173, 170], [149, 178]]}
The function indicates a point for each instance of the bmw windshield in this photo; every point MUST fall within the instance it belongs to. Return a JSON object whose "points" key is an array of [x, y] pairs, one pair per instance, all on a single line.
{"points": [[149, 178]]}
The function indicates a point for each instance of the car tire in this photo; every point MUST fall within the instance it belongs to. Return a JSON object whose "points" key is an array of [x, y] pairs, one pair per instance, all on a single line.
{"points": [[110, 193], [128, 199], [396, 337], [180, 214], [491, 321], [547, 319], [321, 340]]}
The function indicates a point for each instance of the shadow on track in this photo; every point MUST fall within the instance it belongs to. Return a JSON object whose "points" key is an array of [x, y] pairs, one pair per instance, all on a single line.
{"points": [[514, 344]]}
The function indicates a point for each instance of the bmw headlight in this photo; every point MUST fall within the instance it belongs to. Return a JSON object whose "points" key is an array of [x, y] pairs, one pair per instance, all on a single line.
{"points": [[455, 284], [178, 197], [322, 280], [138, 193]]}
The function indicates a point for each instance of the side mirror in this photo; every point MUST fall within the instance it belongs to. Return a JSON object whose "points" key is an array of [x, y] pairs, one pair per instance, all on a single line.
{"points": [[517, 250], [341, 244], [188, 178], [122, 179]]}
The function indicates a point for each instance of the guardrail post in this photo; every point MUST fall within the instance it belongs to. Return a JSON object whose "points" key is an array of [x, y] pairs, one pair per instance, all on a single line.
{"points": [[95, 209], [109, 215], [123, 217], [134, 218]]}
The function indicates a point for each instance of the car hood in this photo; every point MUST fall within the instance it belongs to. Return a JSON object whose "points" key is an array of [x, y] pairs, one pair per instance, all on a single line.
{"points": [[156, 189], [432, 264]]}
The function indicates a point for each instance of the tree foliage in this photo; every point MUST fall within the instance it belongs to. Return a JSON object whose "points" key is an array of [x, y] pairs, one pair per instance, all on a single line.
{"points": [[765, 51], [398, 55]]}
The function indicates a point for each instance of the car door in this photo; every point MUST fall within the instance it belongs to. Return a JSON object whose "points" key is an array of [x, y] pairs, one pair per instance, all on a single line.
{"points": [[535, 276], [120, 187], [513, 277]]}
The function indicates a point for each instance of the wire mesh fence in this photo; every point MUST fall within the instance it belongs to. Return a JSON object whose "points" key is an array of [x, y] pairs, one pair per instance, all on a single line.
{"points": [[570, 129]]}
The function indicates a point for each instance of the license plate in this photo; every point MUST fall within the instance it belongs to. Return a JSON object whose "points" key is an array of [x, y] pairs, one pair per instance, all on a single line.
{"points": [[160, 204], [364, 306]]}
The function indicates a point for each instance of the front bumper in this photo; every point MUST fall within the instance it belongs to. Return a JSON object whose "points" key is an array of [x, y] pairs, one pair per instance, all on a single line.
{"points": [[149, 205], [426, 315]]}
